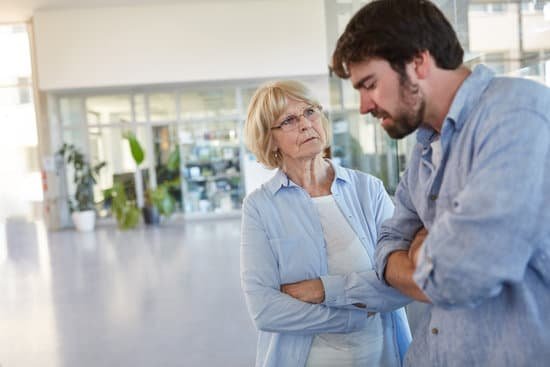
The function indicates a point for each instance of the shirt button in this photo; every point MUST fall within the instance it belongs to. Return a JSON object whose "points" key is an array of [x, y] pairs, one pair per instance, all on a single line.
{"points": [[433, 197], [435, 331]]}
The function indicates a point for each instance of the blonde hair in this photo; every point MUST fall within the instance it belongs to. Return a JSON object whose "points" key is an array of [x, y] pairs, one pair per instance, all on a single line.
{"points": [[267, 105]]}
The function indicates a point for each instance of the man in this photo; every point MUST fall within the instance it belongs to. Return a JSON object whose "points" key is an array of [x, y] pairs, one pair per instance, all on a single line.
{"points": [[478, 181]]}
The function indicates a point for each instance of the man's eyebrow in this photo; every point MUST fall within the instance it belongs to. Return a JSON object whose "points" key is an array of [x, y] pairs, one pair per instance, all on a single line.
{"points": [[362, 81]]}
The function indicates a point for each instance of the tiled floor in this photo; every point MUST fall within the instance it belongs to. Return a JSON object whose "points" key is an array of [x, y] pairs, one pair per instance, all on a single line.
{"points": [[165, 296]]}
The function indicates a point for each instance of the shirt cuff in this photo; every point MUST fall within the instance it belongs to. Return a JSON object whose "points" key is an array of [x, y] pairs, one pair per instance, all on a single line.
{"points": [[423, 269], [384, 250], [335, 294]]}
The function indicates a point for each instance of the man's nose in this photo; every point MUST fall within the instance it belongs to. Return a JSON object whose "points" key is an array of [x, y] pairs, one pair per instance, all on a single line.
{"points": [[366, 104]]}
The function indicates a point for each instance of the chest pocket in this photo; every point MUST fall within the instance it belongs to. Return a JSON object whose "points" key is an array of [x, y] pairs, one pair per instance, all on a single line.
{"points": [[540, 262], [446, 202], [448, 196], [299, 258]]}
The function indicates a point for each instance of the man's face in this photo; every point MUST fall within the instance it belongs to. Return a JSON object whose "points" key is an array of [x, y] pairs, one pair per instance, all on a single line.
{"points": [[396, 101]]}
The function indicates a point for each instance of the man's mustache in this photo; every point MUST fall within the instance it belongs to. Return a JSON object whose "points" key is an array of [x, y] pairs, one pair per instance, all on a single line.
{"points": [[380, 114]]}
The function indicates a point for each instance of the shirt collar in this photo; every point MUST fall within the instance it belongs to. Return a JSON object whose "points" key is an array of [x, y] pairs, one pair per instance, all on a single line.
{"points": [[281, 180], [425, 135], [464, 101], [339, 172], [468, 94]]}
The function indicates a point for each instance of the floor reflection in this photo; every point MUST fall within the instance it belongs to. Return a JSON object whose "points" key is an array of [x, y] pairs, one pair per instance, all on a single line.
{"points": [[29, 333], [161, 296]]}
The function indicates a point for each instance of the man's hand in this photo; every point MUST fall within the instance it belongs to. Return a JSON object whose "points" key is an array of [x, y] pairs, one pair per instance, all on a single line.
{"points": [[401, 266], [416, 245], [399, 274], [311, 291]]}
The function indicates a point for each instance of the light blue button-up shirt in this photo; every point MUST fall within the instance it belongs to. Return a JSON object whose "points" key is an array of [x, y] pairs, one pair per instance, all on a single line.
{"points": [[282, 242], [485, 264]]}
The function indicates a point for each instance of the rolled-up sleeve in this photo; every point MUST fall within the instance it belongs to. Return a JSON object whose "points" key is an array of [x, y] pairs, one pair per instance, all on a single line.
{"points": [[364, 288], [485, 238], [397, 232], [272, 310]]}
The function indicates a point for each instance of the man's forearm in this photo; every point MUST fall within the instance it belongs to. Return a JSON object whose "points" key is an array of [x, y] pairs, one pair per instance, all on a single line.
{"points": [[399, 274]]}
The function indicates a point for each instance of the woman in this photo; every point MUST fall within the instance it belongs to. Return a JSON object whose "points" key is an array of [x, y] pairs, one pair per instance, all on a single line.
{"points": [[318, 222]]}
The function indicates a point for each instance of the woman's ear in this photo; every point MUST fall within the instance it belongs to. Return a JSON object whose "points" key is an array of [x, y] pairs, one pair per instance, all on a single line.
{"points": [[273, 145]]}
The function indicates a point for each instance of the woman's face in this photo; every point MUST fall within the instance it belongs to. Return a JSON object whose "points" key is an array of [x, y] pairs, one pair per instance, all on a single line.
{"points": [[305, 138]]}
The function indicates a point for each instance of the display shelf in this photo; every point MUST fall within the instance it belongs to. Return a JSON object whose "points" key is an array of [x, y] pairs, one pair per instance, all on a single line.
{"points": [[210, 167]]}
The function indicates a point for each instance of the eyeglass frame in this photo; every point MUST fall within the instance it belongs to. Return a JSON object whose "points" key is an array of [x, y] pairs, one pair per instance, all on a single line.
{"points": [[317, 108]]}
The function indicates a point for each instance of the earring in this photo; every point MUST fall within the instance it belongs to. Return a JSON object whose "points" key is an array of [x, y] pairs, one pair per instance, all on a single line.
{"points": [[276, 154]]}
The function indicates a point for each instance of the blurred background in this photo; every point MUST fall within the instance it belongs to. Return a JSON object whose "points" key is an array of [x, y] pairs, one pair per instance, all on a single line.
{"points": [[180, 74]]}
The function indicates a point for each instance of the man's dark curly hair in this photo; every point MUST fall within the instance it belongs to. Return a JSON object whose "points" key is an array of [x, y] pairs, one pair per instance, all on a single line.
{"points": [[397, 31]]}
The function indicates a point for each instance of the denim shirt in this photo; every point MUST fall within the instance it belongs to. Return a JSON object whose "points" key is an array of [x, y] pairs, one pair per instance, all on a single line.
{"points": [[282, 242], [485, 264]]}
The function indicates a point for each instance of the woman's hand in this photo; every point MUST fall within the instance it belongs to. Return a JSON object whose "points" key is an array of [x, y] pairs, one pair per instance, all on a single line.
{"points": [[311, 291]]}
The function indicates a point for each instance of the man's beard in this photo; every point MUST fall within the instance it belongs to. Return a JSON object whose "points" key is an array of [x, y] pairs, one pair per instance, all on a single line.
{"points": [[411, 109]]}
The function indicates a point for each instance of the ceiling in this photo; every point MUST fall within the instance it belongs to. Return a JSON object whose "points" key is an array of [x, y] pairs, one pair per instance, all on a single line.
{"points": [[14, 11]]}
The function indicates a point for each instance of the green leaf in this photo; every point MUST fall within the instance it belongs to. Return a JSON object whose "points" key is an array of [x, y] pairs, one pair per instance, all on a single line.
{"points": [[173, 163], [126, 213], [135, 147], [162, 200]]}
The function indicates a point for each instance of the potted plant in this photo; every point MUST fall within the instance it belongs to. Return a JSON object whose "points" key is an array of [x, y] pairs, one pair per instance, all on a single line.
{"points": [[158, 201], [125, 211], [138, 154], [82, 205]]}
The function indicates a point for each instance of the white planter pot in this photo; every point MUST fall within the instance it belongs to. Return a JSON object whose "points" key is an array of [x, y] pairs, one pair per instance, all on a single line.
{"points": [[84, 221]]}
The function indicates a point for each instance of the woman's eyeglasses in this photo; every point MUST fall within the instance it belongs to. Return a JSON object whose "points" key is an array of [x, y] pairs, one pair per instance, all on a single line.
{"points": [[292, 122]]}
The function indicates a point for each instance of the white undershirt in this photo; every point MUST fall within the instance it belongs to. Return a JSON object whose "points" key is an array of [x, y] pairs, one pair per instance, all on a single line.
{"points": [[345, 254], [436, 153]]}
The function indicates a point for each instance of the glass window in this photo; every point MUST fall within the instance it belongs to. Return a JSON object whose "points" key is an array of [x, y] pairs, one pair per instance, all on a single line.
{"points": [[507, 49], [360, 142], [162, 107], [210, 161], [498, 8], [208, 103], [107, 144], [15, 61], [25, 90], [77, 137], [108, 109], [336, 98], [139, 107], [247, 94], [70, 109]]}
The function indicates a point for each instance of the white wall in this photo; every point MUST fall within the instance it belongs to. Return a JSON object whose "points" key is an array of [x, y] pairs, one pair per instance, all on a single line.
{"points": [[179, 43]]}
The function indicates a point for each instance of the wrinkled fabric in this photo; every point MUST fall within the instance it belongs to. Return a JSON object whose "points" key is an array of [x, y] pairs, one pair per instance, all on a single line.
{"points": [[283, 242], [485, 264]]}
